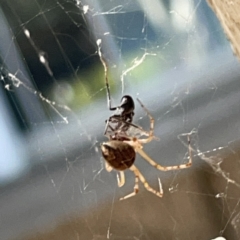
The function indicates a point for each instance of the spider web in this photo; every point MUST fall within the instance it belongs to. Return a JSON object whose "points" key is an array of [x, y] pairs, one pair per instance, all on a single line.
{"points": [[173, 56]]}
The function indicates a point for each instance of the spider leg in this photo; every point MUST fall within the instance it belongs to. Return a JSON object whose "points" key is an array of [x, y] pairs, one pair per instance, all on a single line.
{"points": [[106, 76], [167, 168], [151, 135], [136, 186], [108, 167], [121, 179], [145, 133], [107, 126], [121, 124], [138, 176], [115, 119]]}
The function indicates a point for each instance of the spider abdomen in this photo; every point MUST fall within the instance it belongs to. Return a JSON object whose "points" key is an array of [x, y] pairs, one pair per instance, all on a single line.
{"points": [[118, 154]]}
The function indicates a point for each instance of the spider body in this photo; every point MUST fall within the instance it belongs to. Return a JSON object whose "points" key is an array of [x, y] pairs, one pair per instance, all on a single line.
{"points": [[120, 151], [118, 154]]}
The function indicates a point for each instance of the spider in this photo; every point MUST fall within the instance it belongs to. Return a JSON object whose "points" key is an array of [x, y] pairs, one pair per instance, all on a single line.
{"points": [[120, 151]]}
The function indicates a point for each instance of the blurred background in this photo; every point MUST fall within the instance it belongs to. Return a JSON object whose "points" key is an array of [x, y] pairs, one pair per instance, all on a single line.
{"points": [[174, 56]]}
